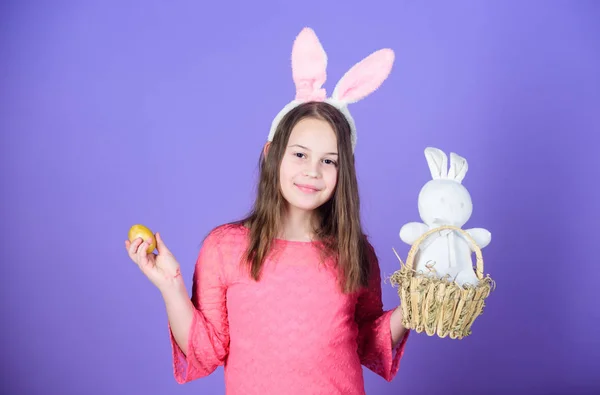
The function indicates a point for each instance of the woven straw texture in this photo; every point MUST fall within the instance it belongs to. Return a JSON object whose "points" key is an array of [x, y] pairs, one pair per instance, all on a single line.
{"points": [[439, 306]]}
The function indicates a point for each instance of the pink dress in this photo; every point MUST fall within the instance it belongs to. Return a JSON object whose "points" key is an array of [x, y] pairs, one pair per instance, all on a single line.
{"points": [[294, 332]]}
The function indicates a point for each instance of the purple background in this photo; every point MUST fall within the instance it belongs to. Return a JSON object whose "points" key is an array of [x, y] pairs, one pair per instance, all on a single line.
{"points": [[114, 113]]}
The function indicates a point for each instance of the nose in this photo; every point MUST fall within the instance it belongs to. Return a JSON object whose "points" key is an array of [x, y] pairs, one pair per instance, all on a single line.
{"points": [[311, 174], [312, 170]]}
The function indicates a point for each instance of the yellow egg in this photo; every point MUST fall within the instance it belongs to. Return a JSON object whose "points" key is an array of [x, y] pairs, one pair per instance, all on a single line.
{"points": [[145, 234]]}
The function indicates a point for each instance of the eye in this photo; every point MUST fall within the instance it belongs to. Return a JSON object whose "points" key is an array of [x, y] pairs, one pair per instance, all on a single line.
{"points": [[330, 162], [299, 154]]}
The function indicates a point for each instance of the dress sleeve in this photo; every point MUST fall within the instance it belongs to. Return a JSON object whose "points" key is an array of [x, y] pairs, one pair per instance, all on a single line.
{"points": [[374, 336], [208, 343]]}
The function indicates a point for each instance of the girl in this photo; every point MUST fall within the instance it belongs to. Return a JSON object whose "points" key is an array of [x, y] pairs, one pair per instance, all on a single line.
{"points": [[289, 298]]}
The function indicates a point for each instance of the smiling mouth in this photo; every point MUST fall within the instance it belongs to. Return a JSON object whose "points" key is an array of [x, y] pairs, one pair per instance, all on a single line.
{"points": [[307, 188]]}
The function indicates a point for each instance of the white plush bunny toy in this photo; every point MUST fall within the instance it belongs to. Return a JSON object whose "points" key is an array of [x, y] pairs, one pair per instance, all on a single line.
{"points": [[444, 201]]}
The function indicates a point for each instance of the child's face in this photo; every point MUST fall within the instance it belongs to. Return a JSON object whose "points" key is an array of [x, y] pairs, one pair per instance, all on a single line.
{"points": [[308, 172]]}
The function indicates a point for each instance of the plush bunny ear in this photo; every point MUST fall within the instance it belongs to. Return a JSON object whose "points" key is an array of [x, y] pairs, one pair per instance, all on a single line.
{"points": [[309, 66], [437, 161], [458, 167], [364, 77]]}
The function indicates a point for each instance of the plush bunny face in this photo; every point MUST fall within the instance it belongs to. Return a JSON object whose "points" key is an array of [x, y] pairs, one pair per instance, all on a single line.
{"points": [[444, 202]]}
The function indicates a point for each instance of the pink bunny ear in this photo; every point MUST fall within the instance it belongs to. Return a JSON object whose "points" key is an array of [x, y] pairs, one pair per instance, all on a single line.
{"points": [[364, 77], [309, 66]]}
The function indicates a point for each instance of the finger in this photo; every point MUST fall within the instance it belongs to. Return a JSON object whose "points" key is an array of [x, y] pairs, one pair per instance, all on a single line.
{"points": [[161, 247], [133, 249], [143, 256], [141, 251]]}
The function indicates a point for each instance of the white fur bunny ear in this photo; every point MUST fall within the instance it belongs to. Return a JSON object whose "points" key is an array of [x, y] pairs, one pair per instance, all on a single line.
{"points": [[458, 167], [364, 77], [437, 162], [309, 66]]}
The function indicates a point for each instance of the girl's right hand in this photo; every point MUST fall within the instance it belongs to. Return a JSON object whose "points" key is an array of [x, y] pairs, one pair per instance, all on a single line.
{"points": [[162, 269]]}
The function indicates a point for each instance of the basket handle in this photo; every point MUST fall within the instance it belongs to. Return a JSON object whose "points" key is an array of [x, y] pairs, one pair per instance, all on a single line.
{"points": [[413, 249]]}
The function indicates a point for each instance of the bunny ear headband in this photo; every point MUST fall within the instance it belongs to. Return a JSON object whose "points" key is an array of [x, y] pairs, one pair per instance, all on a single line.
{"points": [[309, 71]]}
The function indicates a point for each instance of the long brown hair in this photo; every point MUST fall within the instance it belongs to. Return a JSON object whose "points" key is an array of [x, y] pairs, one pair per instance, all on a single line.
{"points": [[340, 229]]}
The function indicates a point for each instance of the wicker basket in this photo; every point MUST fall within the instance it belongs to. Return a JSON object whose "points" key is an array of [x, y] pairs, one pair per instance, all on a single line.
{"points": [[439, 306]]}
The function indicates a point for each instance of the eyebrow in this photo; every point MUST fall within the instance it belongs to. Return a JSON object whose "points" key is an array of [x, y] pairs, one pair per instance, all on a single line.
{"points": [[308, 149]]}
